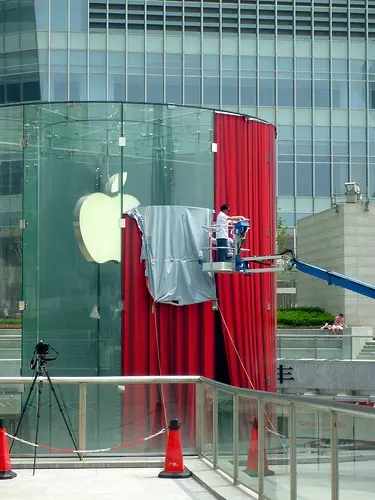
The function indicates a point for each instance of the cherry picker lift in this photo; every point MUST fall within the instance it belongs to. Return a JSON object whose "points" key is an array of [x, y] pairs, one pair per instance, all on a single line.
{"points": [[273, 263]]}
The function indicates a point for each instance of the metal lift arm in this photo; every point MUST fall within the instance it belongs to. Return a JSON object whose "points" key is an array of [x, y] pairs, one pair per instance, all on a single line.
{"points": [[335, 279]]}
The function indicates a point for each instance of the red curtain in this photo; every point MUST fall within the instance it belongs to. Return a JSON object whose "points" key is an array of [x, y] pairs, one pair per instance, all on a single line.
{"points": [[160, 339], [245, 179]]}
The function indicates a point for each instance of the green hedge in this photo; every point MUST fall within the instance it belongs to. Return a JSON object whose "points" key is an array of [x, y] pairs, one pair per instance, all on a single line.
{"points": [[303, 316]]}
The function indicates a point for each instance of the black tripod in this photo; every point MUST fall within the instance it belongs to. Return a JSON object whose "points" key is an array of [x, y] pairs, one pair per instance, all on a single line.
{"points": [[39, 362]]}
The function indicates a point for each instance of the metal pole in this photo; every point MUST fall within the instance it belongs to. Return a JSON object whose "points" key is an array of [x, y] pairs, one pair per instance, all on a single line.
{"points": [[316, 347], [236, 436], [82, 416], [215, 428], [261, 442], [199, 404], [334, 458], [293, 451]]}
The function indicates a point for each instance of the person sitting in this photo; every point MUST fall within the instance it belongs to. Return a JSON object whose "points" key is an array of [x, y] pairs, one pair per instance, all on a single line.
{"points": [[338, 324]]}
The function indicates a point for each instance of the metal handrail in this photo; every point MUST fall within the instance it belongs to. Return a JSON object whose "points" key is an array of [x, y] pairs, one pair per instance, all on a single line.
{"points": [[268, 397]]}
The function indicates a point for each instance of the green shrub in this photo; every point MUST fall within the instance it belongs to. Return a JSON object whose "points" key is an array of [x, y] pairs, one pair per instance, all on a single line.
{"points": [[303, 316]]}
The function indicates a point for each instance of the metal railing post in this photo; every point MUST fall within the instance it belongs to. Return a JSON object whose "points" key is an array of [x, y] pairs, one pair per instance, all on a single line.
{"points": [[215, 427], [334, 458], [261, 442], [199, 405], [82, 416], [236, 436], [293, 451], [316, 347]]}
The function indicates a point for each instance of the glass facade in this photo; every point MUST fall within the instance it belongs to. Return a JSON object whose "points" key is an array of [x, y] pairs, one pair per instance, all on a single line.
{"points": [[68, 152]]}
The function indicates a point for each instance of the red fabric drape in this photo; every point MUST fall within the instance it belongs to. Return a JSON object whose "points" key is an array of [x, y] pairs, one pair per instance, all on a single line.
{"points": [[245, 179], [186, 345]]}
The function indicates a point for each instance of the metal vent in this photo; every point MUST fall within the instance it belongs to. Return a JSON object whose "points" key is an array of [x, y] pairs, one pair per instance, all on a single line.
{"points": [[319, 18]]}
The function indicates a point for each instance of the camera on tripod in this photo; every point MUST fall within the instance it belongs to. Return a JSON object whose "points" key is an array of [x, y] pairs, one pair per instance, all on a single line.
{"points": [[41, 352]]}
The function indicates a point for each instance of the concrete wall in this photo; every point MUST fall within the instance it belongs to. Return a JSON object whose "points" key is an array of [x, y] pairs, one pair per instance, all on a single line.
{"points": [[341, 240], [335, 376]]}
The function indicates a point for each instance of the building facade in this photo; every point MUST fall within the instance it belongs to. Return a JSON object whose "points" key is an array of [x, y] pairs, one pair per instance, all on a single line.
{"points": [[306, 66]]}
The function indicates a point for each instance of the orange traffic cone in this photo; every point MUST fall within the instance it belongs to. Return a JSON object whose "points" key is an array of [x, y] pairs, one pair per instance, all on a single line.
{"points": [[252, 459], [174, 464], [5, 467]]}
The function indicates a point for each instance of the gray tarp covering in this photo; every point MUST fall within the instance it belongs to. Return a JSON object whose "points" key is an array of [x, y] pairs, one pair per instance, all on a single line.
{"points": [[172, 238]]}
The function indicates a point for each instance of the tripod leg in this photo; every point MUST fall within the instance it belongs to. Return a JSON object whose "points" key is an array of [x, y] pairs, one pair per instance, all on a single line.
{"points": [[62, 413], [40, 387], [24, 408]]}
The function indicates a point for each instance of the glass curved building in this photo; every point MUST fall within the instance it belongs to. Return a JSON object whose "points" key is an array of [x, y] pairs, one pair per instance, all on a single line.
{"points": [[84, 285]]}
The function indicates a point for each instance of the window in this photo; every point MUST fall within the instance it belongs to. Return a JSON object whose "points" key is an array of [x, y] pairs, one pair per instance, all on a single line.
{"points": [[230, 91], [303, 93], [285, 179], [211, 91], [59, 15], [285, 94], [174, 89], [322, 179], [192, 65], [248, 91], [339, 94], [136, 88], [321, 94], [155, 88], [193, 91], [304, 179], [340, 176], [266, 92]]}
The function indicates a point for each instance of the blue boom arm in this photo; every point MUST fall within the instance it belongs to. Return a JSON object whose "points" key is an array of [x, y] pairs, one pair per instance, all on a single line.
{"points": [[335, 279]]}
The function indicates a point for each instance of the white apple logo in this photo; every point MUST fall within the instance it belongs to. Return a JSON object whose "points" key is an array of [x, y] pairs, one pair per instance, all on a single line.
{"points": [[96, 221]]}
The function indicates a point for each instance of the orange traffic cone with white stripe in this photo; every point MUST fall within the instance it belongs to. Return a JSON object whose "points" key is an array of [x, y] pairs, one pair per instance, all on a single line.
{"points": [[174, 462], [252, 459], [5, 467]]}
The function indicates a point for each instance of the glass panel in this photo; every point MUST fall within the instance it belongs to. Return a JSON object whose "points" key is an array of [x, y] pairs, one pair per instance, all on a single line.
{"points": [[277, 452], [225, 432], [322, 179], [313, 453], [11, 187], [248, 445], [207, 415], [356, 446], [116, 416]]}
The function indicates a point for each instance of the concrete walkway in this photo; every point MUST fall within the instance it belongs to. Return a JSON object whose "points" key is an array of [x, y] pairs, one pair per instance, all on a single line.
{"points": [[99, 484]]}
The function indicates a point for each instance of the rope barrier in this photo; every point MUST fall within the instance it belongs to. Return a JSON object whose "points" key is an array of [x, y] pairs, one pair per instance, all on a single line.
{"points": [[81, 452]]}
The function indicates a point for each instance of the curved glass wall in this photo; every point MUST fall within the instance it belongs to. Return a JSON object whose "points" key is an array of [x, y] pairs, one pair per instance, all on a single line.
{"points": [[70, 155]]}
